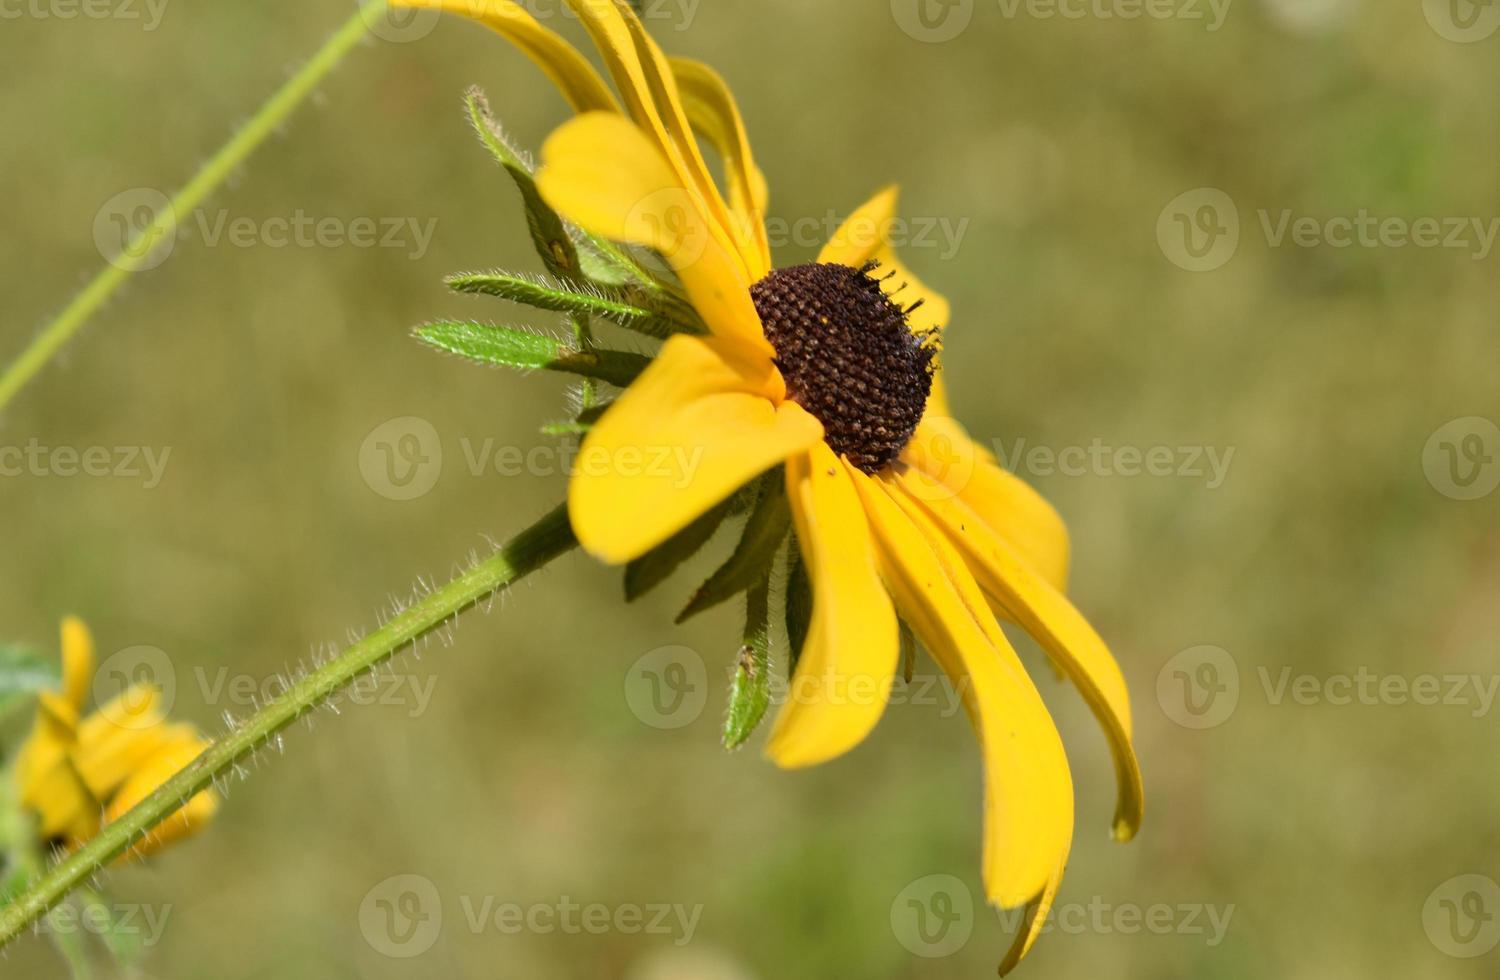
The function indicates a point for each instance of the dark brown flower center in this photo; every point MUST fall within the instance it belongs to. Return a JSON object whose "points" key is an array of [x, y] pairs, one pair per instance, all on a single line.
{"points": [[848, 356]]}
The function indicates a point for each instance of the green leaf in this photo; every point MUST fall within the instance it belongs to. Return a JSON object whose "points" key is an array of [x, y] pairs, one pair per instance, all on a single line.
{"points": [[652, 568], [23, 673], [580, 301], [122, 938], [764, 532], [517, 348], [799, 603], [598, 261], [750, 690]]}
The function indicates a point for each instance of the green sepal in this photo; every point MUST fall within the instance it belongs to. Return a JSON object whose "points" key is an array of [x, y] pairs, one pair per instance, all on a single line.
{"points": [[799, 603], [579, 425], [908, 653], [652, 568], [750, 690], [581, 301], [23, 673], [598, 260], [517, 348], [762, 537], [548, 234], [120, 937]]}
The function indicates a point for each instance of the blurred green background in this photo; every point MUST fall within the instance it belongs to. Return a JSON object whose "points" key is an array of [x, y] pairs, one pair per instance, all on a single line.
{"points": [[1334, 546]]}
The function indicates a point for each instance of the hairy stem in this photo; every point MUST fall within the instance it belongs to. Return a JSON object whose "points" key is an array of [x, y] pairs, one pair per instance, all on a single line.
{"points": [[137, 251], [528, 551]]}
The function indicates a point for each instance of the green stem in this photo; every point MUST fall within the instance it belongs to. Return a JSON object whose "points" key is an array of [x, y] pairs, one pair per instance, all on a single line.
{"points": [[548, 538], [213, 173]]}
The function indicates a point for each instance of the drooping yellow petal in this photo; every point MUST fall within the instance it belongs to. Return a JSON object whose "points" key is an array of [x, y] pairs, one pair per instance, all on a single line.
{"points": [[1032, 923], [77, 661], [712, 111], [46, 781], [1044, 612], [115, 740], [181, 747], [603, 173], [645, 82], [579, 83], [699, 423], [848, 664], [961, 469], [866, 235], [1028, 789]]}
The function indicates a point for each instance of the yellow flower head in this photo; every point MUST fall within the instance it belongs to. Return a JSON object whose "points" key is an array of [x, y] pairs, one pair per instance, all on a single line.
{"points": [[828, 370], [76, 774]]}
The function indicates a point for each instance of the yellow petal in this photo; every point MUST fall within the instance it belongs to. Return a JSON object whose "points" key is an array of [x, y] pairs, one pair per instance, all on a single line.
{"points": [[46, 782], [1024, 596], [848, 663], [645, 81], [712, 111], [865, 236], [699, 423], [176, 754], [1028, 789], [117, 739], [603, 173], [77, 661], [1032, 923], [569, 70], [963, 470]]}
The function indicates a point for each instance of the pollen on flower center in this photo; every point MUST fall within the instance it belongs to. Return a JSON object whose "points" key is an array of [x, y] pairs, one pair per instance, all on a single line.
{"points": [[848, 356]]}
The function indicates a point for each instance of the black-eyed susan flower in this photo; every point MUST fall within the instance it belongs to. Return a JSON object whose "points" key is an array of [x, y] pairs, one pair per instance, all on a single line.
{"points": [[76, 772], [828, 371]]}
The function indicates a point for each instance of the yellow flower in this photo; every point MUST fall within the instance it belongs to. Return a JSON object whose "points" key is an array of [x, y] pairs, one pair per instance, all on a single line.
{"points": [[77, 774], [817, 368]]}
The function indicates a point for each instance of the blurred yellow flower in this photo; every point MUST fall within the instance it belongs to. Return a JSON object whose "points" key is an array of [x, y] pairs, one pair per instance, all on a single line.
{"points": [[828, 369], [76, 773]]}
